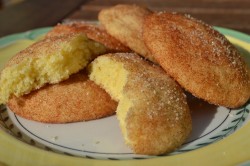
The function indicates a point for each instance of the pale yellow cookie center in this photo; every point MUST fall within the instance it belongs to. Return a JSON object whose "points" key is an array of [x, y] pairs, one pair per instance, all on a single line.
{"points": [[33, 72], [112, 76]]}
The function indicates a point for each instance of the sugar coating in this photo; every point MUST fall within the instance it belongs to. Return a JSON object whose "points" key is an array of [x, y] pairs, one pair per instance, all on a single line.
{"points": [[125, 22], [198, 57], [93, 31], [75, 99]]}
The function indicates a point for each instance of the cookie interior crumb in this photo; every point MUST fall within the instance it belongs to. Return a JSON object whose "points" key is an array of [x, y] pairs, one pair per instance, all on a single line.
{"points": [[113, 85], [32, 72]]}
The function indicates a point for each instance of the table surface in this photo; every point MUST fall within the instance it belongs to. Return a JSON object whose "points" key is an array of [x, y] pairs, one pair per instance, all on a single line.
{"points": [[31, 14]]}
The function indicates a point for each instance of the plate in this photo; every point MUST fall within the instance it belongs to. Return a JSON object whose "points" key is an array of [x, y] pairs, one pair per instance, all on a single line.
{"points": [[218, 132]]}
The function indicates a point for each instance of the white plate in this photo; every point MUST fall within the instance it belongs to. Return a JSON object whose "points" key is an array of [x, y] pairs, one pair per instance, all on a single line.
{"points": [[102, 139]]}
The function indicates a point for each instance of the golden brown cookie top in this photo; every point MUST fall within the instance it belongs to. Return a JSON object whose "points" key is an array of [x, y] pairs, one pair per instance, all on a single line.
{"points": [[125, 22], [198, 57], [75, 99], [93, 31]]}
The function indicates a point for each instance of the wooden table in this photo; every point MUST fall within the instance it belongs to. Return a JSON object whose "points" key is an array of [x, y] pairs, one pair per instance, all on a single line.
{"points": [[32, 14]]}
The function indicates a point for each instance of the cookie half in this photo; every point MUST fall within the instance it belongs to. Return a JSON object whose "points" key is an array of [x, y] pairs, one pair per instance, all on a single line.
{"points": [[152, 109], [48, 61]]}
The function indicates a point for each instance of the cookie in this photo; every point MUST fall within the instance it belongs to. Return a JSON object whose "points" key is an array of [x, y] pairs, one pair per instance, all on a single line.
{"points": [[198, 57], [152, 109], [93, 31], [75, 99], [125, 22], [48, 61]]}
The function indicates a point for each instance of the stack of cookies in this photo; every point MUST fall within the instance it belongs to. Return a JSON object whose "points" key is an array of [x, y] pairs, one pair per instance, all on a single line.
{"points": [[137, 63]]}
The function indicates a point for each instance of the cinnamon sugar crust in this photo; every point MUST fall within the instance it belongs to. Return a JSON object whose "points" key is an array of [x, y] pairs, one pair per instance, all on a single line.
{"points": [[93, 31], [125, 22], [198, 57], [75, 99]]}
